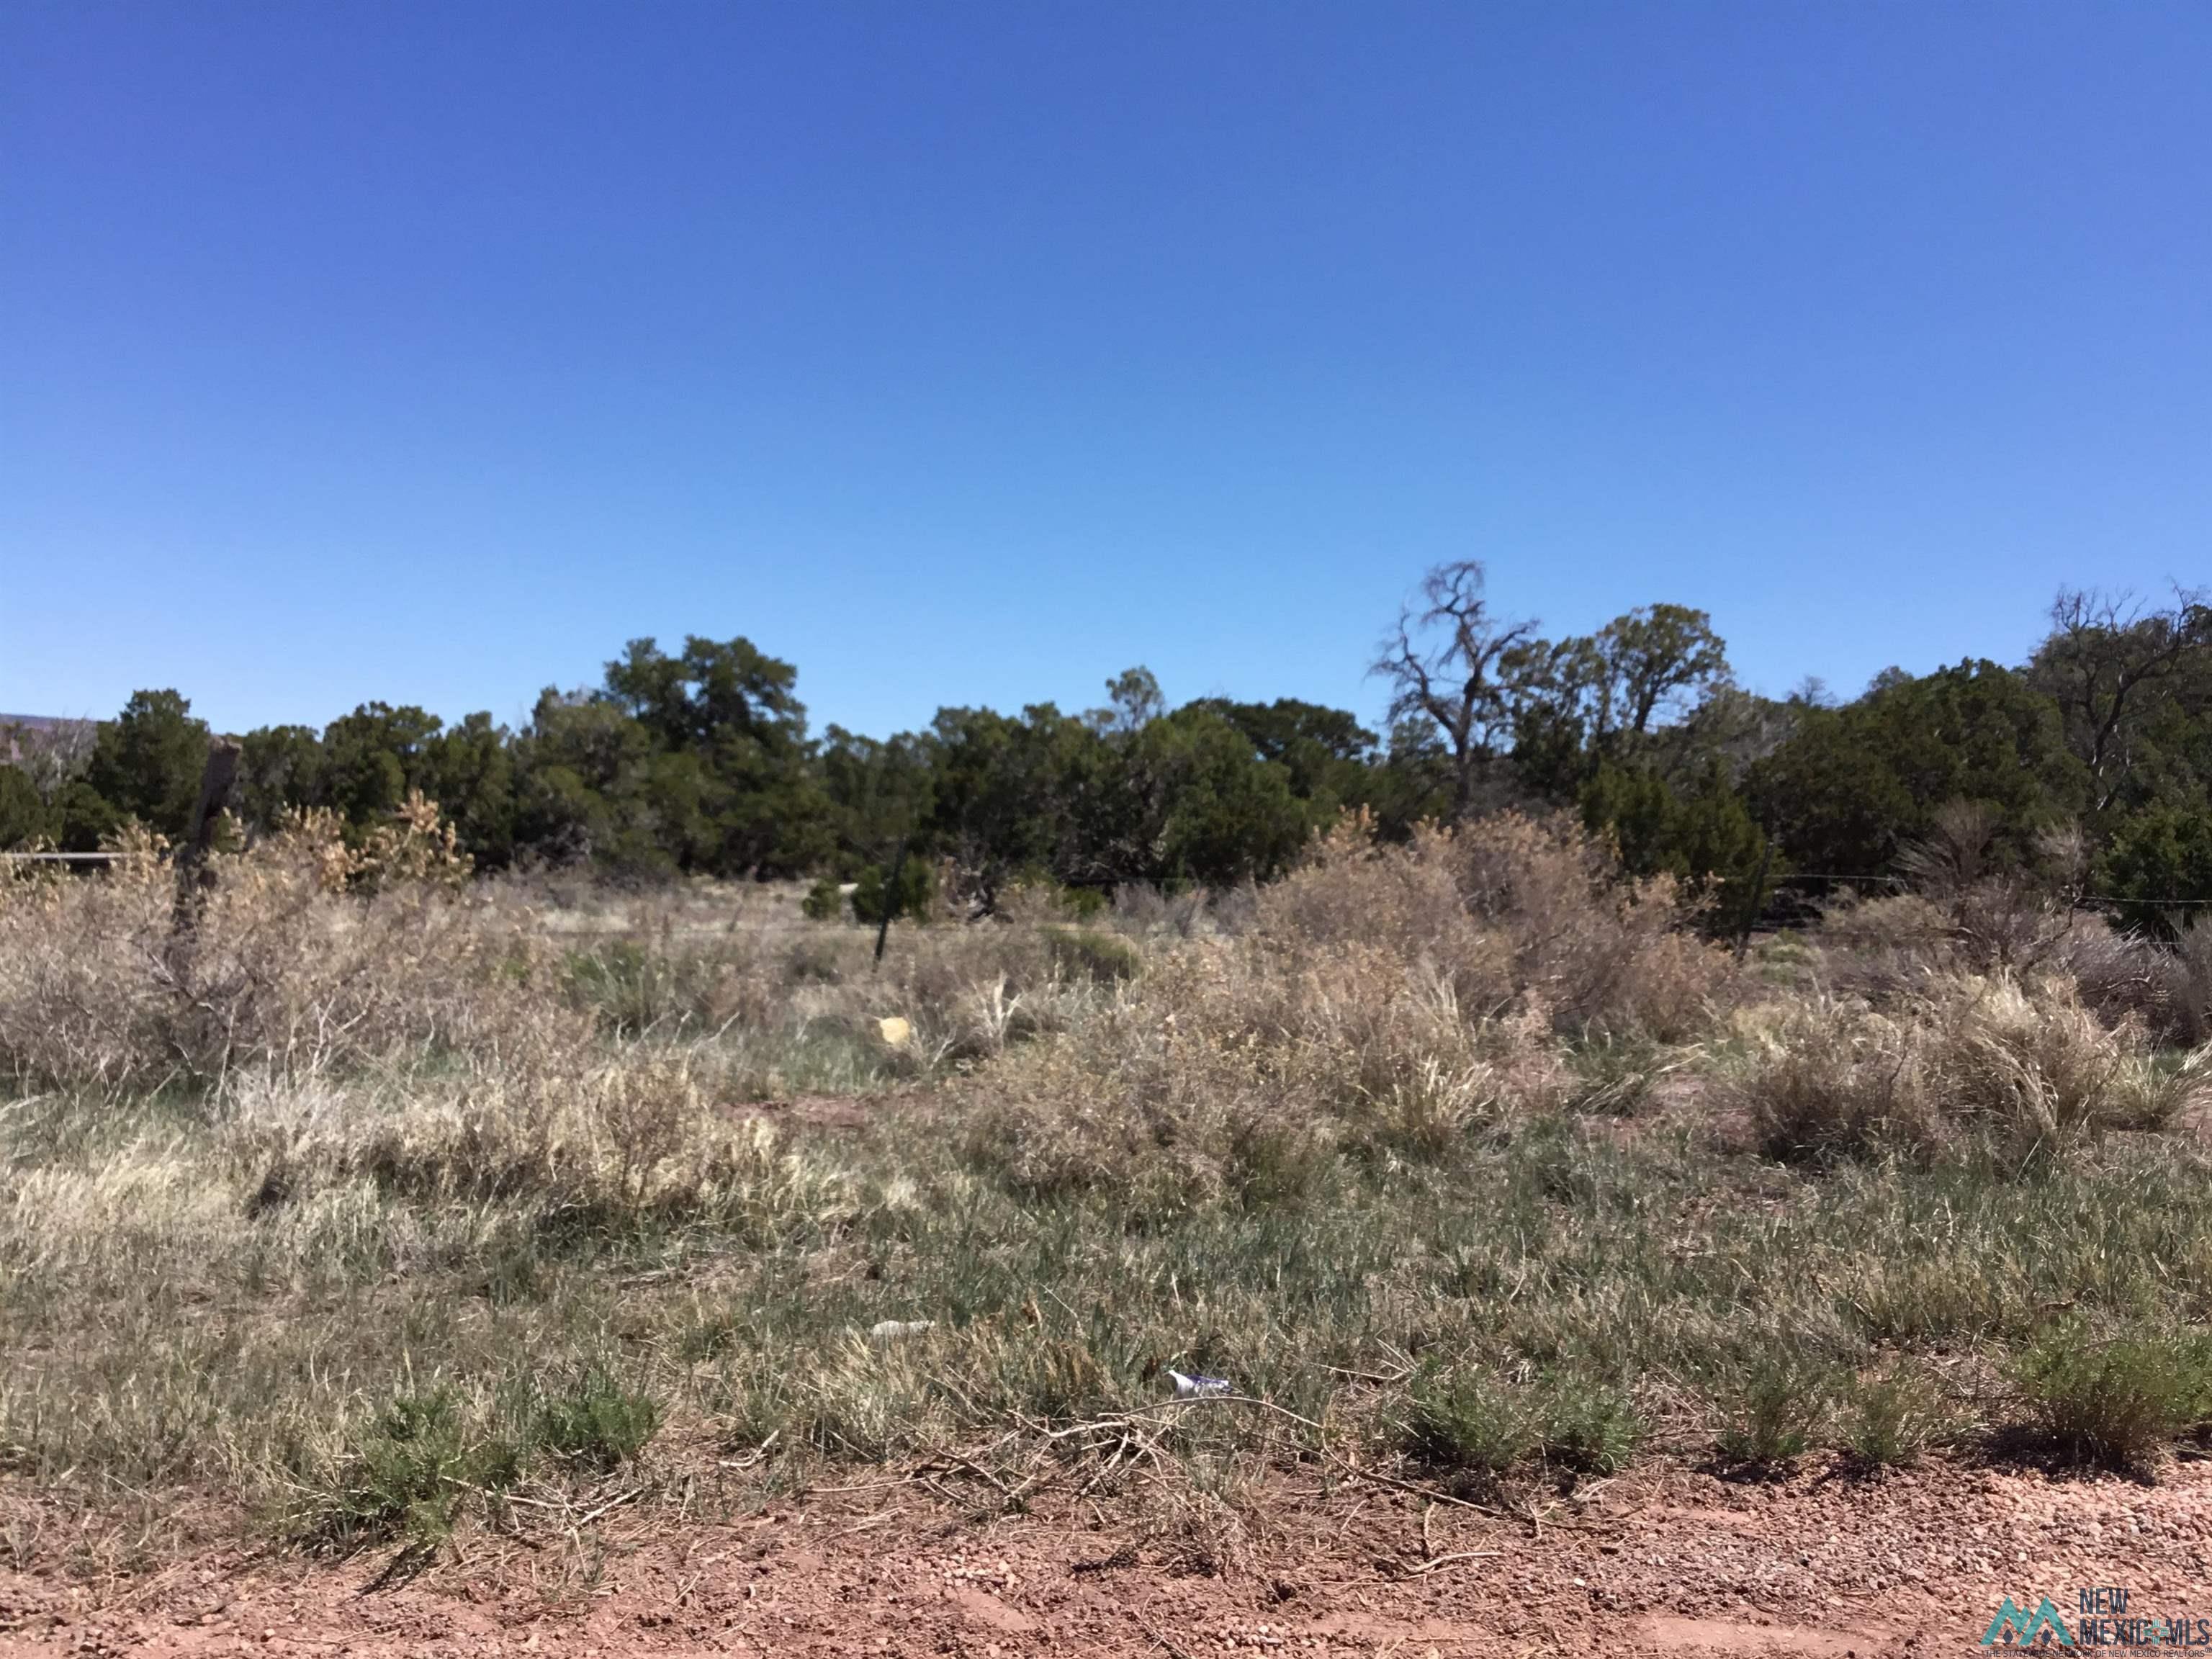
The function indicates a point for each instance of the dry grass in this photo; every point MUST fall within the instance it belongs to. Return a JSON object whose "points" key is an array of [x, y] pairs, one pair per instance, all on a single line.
{"points": [[1891, 947], [2019, 1068], [381, 1196]]}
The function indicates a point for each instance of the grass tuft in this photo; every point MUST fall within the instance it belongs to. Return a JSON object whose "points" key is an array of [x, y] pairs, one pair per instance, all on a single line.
{"points": [[2119, 1401], [418, 1463], [1773, 1410], [595, 1422], [1892, 1419]]}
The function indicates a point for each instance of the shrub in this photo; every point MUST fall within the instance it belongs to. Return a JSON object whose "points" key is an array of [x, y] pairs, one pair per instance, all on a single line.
{"points": [[1883, 947], [2156, 856], [307, 956], [1472, 1423], [1516, 916], [1085, 903], [1084, 953], [1890, 948], [824, 901], [1891, 1419], [1772, 1409], [25, 820], [415, 1465], [592, 1146], [1144, 909], [1461, 1421], [1596, 950], [2118, 1401], [2021, 1070], [916, 894], [1586, 1426], [631, 989], [2122, 977], [2186, 980], [595, 1421]]}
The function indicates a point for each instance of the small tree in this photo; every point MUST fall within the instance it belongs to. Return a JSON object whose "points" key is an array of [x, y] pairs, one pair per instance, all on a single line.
{"points": [[1133, 701], [824, 901], [145, 764], [1648, 659], [1852, 787], [23, 816], [872, 893]]}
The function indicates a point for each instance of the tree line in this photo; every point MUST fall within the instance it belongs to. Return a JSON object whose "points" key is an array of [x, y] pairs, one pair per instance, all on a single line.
{"points": [[2095, 753]]}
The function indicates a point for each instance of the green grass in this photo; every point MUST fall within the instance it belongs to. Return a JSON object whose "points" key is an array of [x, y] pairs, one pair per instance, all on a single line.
{"points": [[1088, 953], [1459, 1421]]}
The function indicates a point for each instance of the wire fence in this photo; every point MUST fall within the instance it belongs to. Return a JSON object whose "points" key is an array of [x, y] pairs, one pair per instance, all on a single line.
{"points": [[2085, 901]]}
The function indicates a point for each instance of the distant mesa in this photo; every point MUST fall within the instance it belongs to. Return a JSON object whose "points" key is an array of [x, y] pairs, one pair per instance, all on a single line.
{"points": [[15, 729]]}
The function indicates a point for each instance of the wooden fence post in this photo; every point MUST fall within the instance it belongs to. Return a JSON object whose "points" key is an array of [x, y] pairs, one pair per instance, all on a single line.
{"points": [[891, 900], [1758, 899], [216, 781]]}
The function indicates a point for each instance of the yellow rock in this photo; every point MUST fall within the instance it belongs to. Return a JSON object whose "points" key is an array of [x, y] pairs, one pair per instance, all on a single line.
{"points": [[896, 1032]]}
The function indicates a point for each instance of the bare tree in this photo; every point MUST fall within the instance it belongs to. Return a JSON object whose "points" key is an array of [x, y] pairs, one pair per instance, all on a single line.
{"points": [[2106, 659], [1452, 662]]}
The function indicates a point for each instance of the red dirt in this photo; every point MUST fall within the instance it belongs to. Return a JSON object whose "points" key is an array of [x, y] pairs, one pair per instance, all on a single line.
{"points": [[1666, 1563]]}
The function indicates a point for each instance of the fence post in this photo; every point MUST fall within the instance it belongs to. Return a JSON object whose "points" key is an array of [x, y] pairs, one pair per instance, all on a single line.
{"points": [[891, 900], [215, 782], [1758, 899]]}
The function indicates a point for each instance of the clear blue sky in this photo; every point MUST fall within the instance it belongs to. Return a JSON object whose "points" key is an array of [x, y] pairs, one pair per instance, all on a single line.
{"points": [[966, 353]]}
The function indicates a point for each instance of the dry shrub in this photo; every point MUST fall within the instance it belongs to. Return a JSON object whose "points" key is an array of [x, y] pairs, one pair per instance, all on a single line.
{"points": [[2022, 1067], [1155, 1094], [1385, 999], [1600, 953], [1885, 947], [87, 990], [972, 990], [303, 954], [1402, 901], [2120, 977], [967, 989], [2000, 915], [1888, 950], [1145, 911], [1515, 913], [309, 955], [2184, 981]]}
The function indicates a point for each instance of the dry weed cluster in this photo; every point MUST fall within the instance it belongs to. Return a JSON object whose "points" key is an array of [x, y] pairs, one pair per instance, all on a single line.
{"points": [[1379, 998]]}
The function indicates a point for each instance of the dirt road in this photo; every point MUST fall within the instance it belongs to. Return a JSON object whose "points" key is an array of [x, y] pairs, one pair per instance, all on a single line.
{"points": [[1666, 1563]]}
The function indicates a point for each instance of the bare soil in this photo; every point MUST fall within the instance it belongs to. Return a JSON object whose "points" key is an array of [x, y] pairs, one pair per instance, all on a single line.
{"points": [[1663, 1562]]}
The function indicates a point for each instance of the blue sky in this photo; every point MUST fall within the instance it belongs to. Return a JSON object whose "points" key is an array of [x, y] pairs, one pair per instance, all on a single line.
{"points": [[967, 354]]}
